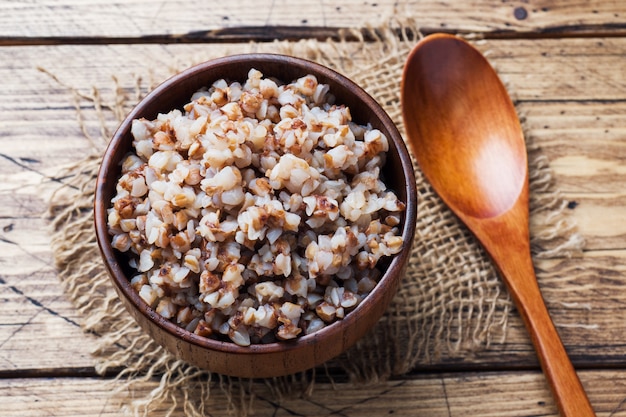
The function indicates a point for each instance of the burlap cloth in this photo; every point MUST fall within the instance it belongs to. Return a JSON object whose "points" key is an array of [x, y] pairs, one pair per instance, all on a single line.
{"points": [[450, 303]]}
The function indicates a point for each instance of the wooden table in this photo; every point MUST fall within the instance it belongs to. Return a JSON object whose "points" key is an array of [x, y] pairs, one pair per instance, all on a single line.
{"points": [[566, 62]]}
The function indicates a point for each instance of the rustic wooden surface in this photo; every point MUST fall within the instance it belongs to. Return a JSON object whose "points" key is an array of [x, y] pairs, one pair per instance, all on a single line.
{"points": [[566, 62]]}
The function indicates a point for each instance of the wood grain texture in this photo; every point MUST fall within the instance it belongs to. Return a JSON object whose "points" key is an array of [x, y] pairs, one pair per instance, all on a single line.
{"points": [[176, 21], [501, 394]]}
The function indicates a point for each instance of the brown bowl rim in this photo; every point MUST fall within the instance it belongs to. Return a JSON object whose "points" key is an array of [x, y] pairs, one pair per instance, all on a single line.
{"points": [[396, 265]]}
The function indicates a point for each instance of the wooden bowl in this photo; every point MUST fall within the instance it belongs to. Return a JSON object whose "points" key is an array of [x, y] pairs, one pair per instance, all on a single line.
{"points": [[280, 358]]}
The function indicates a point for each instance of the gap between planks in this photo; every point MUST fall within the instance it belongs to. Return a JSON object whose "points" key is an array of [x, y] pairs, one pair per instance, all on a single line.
{"points": [[247, 34]]}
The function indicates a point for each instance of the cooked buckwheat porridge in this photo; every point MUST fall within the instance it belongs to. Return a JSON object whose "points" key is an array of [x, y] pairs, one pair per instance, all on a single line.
{"points": [[257, 213]]}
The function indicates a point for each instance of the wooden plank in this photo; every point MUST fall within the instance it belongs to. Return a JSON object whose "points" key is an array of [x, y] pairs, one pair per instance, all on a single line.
{"points": [[601, 218], [177, 20], [560, 69], [582, 140], [39, 328], [506, 394], [547, 70], [569, 124], [584, 296]]}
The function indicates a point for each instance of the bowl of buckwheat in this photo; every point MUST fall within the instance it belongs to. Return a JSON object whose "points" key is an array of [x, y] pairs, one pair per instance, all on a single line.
{"points": [[256, 213]]}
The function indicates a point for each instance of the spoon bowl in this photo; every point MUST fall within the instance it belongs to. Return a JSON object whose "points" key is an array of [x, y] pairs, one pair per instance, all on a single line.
{"points": [[454, 98], [466, 137]]}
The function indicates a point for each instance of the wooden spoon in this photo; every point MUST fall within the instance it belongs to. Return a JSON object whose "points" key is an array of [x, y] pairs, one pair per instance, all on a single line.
{"points": [[467, 139]]}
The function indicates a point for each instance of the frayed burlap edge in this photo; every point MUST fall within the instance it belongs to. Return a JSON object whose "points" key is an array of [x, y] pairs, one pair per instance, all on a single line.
{"points": [[451, 302]]}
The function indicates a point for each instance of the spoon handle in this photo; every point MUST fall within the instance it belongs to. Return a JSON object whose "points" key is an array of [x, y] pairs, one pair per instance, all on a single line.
{"points": [[567, 389]]}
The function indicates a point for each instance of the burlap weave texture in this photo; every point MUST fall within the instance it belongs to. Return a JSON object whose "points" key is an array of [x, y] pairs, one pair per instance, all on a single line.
{"points": [[449, 303]]}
